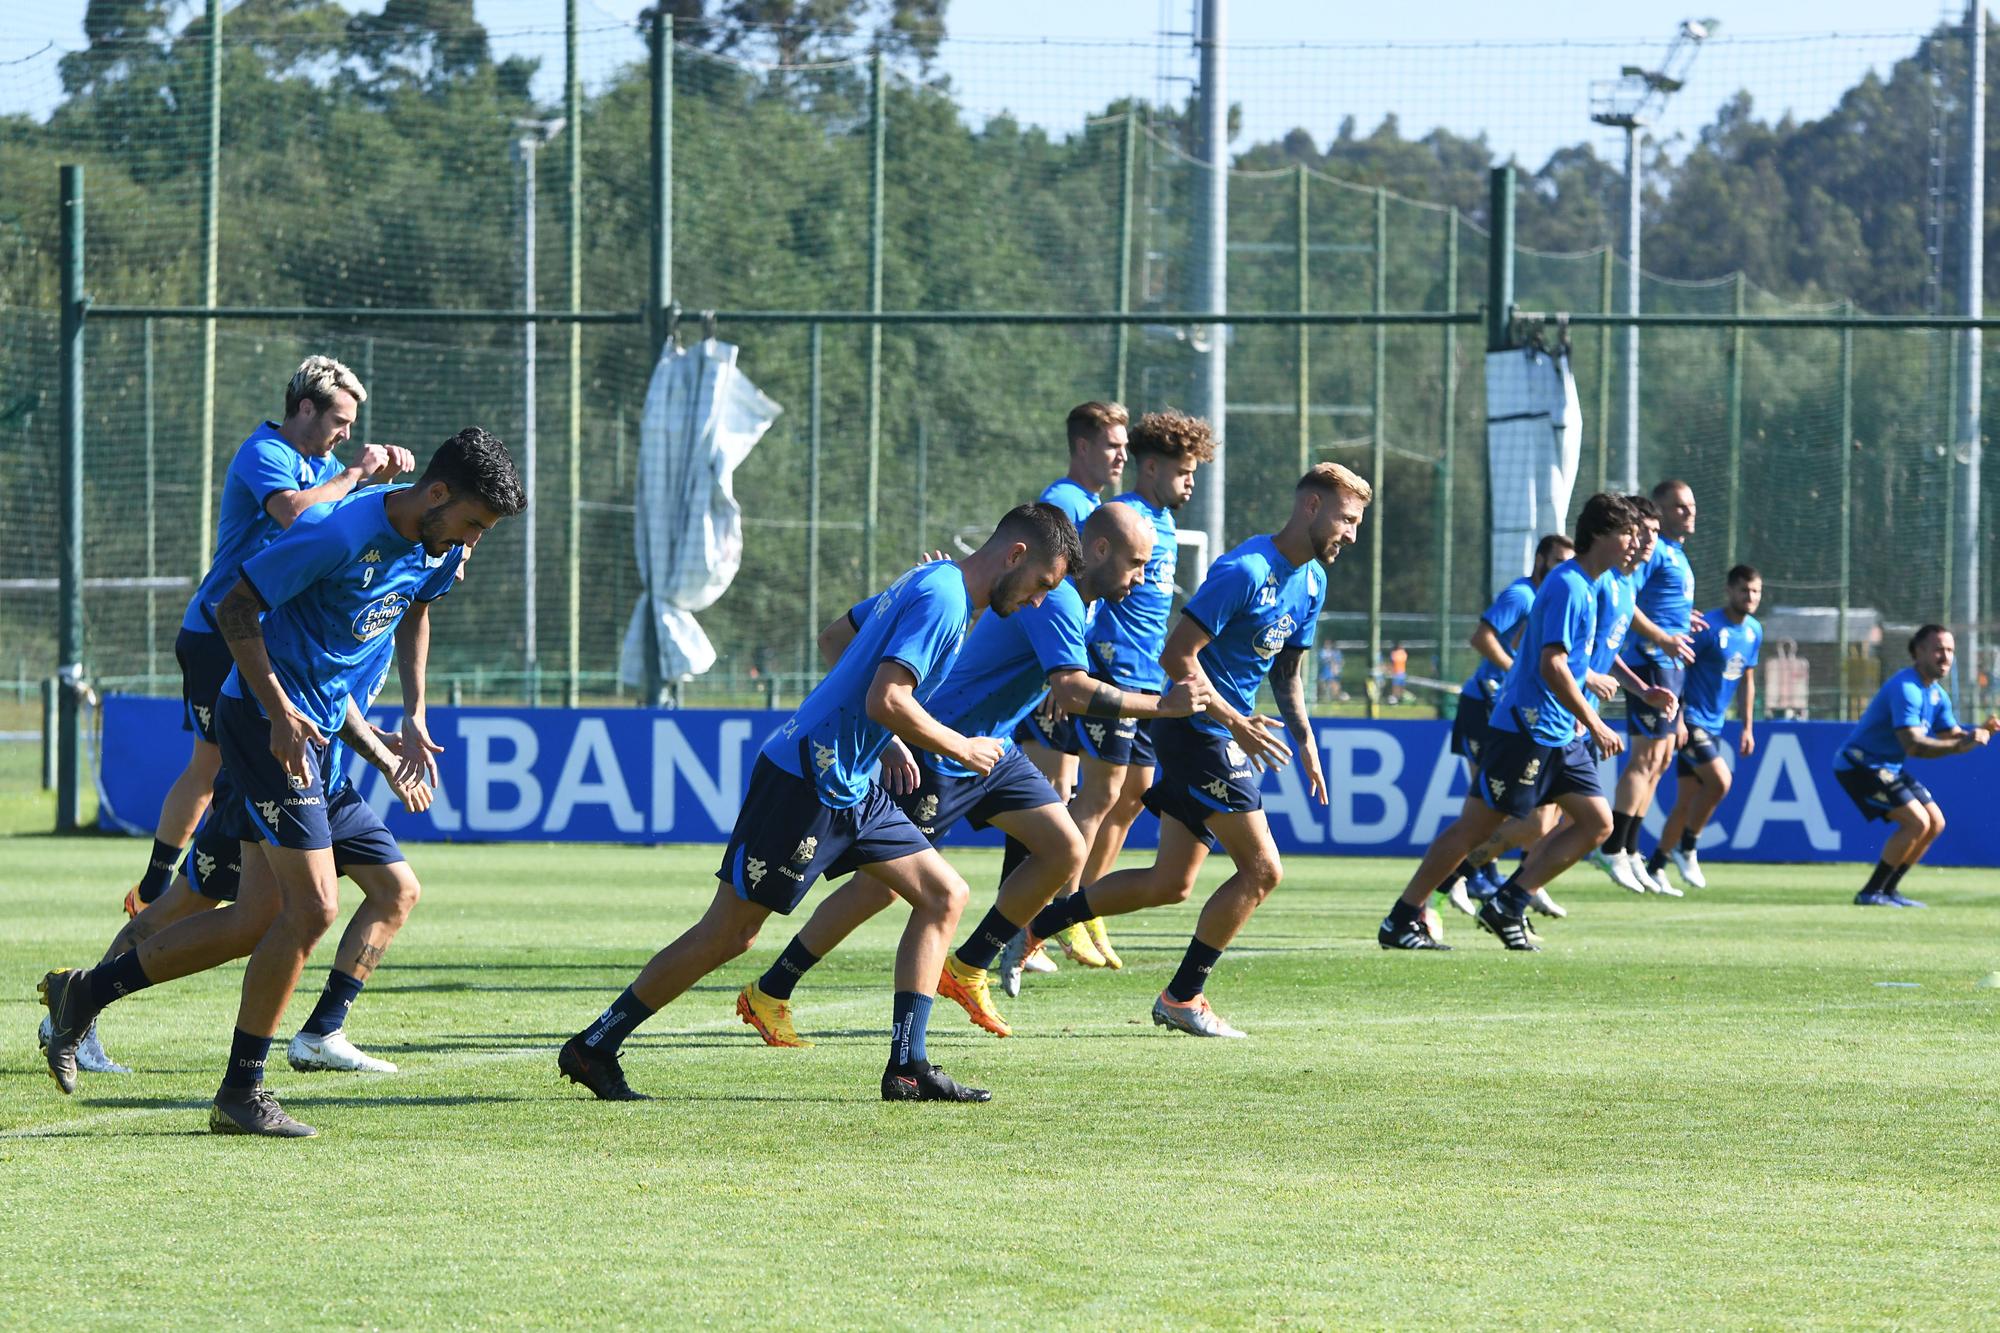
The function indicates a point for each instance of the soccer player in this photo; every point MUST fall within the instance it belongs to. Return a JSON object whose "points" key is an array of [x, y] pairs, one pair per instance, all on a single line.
{"points": [[1125, 640], [1097, 441], [283, 469], [1496, 638], [1007, 667], [1725, 661], [333, 589], [1541, 744], [813, 809], [1910, 717], [1659, 652], [1254, 615]]}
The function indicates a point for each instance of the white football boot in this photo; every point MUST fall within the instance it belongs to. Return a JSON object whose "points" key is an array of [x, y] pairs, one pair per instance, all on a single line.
{"points": [[333, 1052]]}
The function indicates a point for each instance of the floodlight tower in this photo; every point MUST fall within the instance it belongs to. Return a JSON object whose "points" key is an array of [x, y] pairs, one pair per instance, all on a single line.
{"points": [[1632, 100]]}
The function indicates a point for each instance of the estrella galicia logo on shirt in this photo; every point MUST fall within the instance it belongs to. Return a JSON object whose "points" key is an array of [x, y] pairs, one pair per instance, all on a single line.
{"points": [[1272, 637], [380, 615]]}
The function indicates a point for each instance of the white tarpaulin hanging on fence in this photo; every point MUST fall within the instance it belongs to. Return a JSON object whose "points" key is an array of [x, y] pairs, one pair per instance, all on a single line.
{"points": [[702, 419], [1534, 436]]}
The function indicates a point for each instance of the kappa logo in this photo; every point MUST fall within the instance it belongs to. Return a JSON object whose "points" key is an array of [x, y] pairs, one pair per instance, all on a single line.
{"points": [[204, 864], [927, 809], [1096, 732], [201, 715], [371, 556], [1106, 652], [1217, 788], [1531, 716], [753, 870], [1497, 787], [268, 809], [823, 756], [806, 851]]}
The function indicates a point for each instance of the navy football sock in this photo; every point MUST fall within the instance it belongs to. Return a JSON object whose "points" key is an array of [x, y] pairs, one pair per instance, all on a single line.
{"points": [[1658, 860], [117, 979], [985, 943], [1011, 858], [1879, 877], [1689, 839], [906, 1036], [1636, 824], [159, 871], [1513, 896], [1061, 914], [1616, 842], [1895, 878], [1194, 969], [615, 1024], [246, 1060], [330, 1014], [783, 974]]}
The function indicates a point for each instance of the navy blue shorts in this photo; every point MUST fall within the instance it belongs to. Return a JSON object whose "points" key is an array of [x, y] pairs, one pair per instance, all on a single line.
{"points": [[1518, 774], [1641, 720], [205, 663], [1200, 774], [293, 816], [1703, 746], [941, 800], [1468, 726], [1879, 792], [1061, 737], [786, 837], [214, 864], [1117, 740]]}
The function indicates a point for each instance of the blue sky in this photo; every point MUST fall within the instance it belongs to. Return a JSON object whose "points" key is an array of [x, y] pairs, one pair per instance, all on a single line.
{"points": [[1519, 74]]}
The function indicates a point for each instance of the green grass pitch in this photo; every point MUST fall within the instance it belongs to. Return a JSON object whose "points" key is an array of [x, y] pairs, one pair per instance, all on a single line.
{"points": [[1693, 1113]]}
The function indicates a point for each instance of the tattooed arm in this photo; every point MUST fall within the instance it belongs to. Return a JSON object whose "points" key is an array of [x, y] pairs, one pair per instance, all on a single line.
{"points": [[1288, 684], [373, 746], [291, 735], [1082, 695]]}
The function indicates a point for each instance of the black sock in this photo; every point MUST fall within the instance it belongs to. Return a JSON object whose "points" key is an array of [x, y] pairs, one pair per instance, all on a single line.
{"points": [[1689, 839], [159, 871], [1658, 860], [1011, 858], [782, 975], [1061, 915], [1466, 870], [1895, 878], [330, 1014], [1403, 913], [1193, 974], [1632, 829], [1616, 842], [986, 942], [1878, 877], [615, 1024], [246, 1060], [117, 979]]}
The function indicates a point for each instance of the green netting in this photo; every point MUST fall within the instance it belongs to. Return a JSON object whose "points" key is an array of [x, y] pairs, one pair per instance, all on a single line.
{"points": [[354, 174]]}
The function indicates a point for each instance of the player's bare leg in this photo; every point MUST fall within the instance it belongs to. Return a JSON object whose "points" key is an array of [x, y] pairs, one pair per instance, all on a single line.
{"points": [[181, 811], [177, 904], [388, 895], [1700, 791]]}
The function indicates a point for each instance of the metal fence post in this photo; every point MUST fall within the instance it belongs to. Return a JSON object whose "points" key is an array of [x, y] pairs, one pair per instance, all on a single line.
{"points": [[813, 340], [1123, 334], [1735, 433], [1846, 498], [661, 295], [1304, 348], [1449, 434], [211, 167], [1605, 277], [573, 518], [69, 683], [152, 518], [877, 199], [1378, 453], [1499, 321]]}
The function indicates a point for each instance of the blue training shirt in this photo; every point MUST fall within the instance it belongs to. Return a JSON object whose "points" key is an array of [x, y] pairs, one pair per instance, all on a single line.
{"points": [[338, 752], [1722, 653], [1617, 594], [1666, 595], [1125, 638], [918, 621], [1564, 615], [1903, 701], [1005, 669], [1066, 495], [336, 585], [1253, 603], [1508, 616], [265, 464]]}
